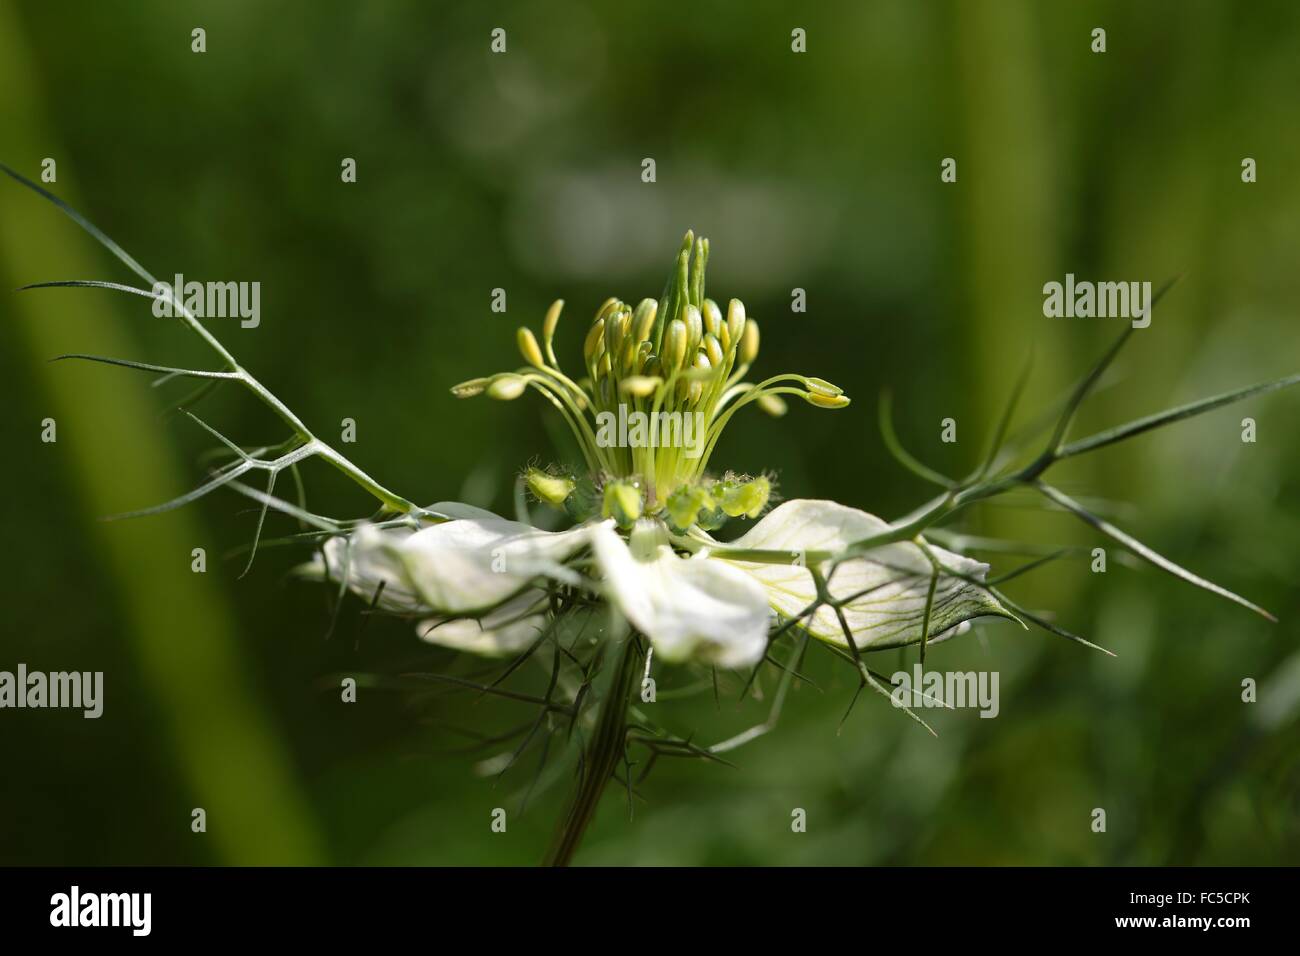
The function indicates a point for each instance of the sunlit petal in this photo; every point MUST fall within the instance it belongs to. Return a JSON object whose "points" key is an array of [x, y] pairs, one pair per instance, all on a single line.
{"points": [[464, 566], [688, 607], [885, 591]]}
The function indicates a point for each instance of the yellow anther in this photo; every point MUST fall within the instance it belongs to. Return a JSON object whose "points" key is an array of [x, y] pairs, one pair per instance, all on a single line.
{"points": [[506, 388], [528, 347]]}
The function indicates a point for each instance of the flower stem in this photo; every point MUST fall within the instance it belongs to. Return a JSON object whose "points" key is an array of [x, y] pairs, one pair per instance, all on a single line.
{"points": [[601, 756]]}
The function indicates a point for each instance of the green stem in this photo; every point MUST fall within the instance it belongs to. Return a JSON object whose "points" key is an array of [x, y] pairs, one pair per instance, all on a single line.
{"points": [[601, 757]]}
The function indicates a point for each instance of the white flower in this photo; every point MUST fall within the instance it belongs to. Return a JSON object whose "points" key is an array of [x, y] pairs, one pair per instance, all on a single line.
{"points": [[475, 582], [482, 583]]}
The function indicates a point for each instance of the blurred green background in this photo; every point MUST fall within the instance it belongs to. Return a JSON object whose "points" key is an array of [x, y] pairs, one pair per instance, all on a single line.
{"points": [[522, 171]]}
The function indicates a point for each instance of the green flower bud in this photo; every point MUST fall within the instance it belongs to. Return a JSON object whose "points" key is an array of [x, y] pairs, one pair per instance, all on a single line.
{"points": [[552, 489], [506, 388], [622, 503]]}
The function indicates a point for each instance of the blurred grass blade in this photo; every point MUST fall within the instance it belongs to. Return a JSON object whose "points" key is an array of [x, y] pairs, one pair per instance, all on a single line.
{"points": [[213, 738]]}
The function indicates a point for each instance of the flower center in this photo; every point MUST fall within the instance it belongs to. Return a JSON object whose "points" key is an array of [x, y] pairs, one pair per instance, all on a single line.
{"points": [[662, 381]]}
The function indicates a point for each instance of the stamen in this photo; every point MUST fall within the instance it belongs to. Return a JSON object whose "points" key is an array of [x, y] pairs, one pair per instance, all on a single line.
{"points": [[548, 330], [678, 355]]}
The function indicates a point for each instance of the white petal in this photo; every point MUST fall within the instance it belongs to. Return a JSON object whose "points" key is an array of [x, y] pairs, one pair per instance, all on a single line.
{"points": [[467, 565], [512, 627], [687, 607], [367, 562], [888, 587]]}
